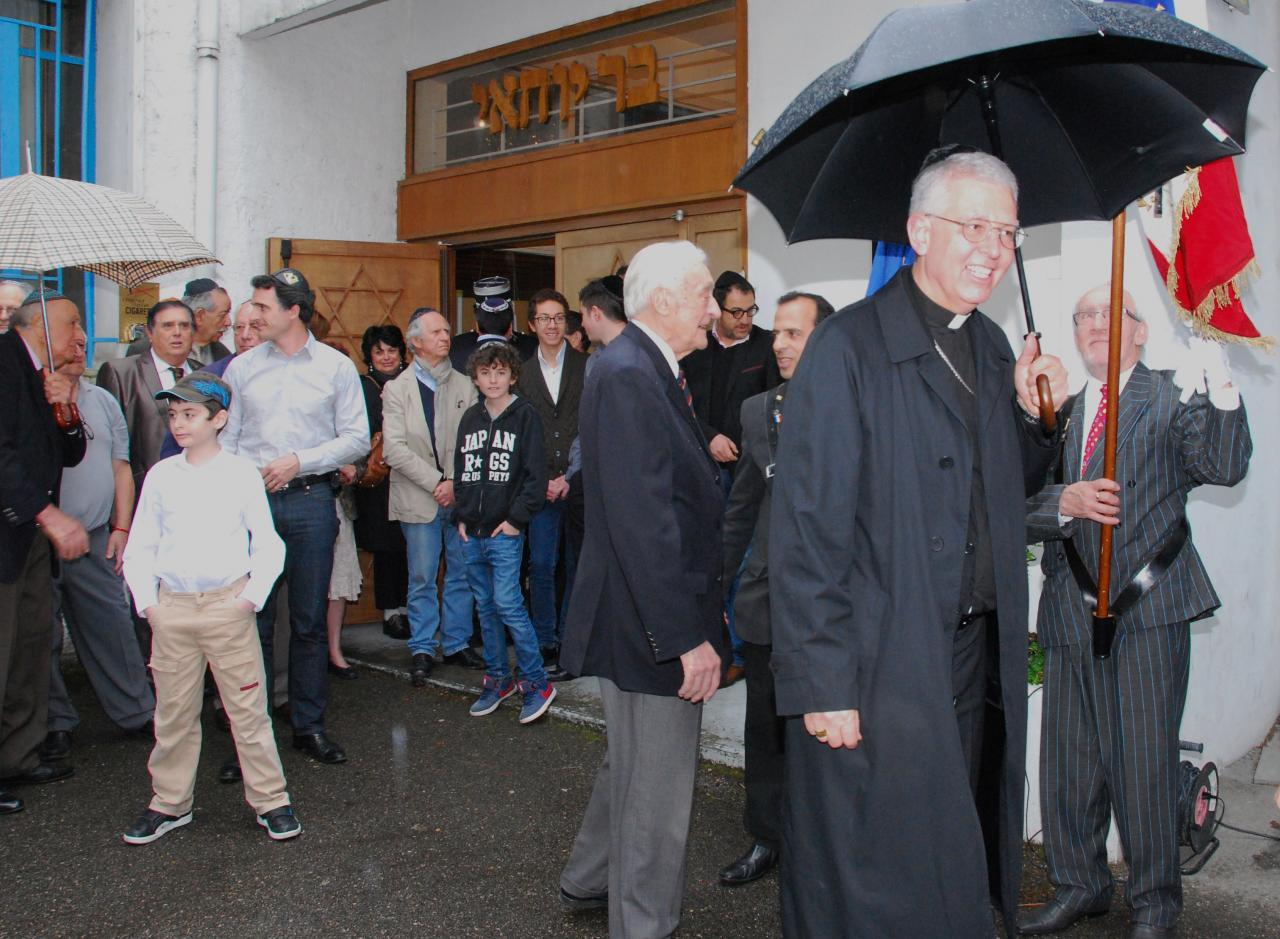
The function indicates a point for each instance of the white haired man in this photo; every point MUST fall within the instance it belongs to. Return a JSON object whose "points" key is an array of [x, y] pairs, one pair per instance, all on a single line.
{"points": [[898, 588], [646, 611]]}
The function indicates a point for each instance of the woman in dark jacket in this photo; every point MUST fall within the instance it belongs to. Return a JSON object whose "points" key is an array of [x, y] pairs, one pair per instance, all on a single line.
{"points": [[384, 356]]}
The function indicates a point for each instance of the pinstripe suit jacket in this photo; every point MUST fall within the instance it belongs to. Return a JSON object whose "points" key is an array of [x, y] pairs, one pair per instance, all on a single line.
{"points": [[1164, 449]]}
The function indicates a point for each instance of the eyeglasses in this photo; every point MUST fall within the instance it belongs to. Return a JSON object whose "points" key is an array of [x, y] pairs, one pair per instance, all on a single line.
{"points": [[977, 230], [1103, 313], [543, 318], [738, 313]]}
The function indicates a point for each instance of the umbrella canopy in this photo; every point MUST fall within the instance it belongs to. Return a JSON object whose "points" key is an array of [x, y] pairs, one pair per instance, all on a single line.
{"points": [[1097, 104], [47, 223]]}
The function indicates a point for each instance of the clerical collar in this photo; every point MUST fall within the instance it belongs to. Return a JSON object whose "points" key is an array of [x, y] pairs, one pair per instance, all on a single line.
{"points": [[936, 317]]}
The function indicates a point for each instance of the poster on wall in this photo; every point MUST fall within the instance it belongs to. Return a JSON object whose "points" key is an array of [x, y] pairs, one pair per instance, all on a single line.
{"points": [[133, 309]]}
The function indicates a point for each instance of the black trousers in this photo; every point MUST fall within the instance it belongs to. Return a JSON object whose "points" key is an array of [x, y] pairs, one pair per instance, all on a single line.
{"points": [[26, 609], [391, 578], [763, 749]]}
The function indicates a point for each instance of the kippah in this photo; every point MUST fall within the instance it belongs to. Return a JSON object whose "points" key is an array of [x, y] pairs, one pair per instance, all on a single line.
{"points": [[198, 286], [49, 296]]}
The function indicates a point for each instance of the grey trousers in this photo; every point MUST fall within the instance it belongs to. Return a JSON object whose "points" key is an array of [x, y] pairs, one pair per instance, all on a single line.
{"points": [[1110, 741], [634, 833], [91, 597]]}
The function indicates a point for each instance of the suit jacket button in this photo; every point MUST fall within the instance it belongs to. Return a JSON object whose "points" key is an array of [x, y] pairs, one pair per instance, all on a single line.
{"points": [[946, 462], [935, 543], [1131, 484]]}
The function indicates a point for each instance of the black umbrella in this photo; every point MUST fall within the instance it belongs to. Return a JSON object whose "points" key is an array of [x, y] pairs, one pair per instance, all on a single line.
{"points": [[1097, 104]]}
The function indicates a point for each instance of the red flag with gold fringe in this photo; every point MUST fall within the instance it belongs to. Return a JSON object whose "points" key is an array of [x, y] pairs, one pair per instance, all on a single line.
{"points": [[1209, 254]]}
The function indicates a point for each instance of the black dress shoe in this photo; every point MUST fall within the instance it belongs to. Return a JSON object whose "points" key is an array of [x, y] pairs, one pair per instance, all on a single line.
{"points": [[9, 804], [753, 865], [56, 746], [346, 674], [43, 773], [397, 627], [319, 747], [230, 771], [576, 904], [549, 654], [1146, 931], [557, 674], [145, 732], [420, 671], [467, 657], [1055, 916]]}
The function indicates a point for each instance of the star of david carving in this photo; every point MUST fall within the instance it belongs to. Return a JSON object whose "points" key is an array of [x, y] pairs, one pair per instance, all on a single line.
{"points": [[385, 298]]}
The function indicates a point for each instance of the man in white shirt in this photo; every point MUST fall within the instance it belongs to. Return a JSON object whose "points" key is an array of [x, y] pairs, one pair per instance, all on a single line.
{"points": [[555, 390], [297, 412], [1111, 715]]}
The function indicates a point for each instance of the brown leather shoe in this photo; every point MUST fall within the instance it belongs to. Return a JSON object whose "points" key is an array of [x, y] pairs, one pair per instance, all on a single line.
{"points": [[732, 675]]}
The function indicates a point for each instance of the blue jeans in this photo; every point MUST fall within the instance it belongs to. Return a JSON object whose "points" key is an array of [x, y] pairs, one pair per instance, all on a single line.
{"points": [[423, 540], [307, 523], [544, 549], [493, 567]]}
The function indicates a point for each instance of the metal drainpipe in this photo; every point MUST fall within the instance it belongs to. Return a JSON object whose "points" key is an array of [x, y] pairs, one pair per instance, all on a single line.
{"points": [[207, 52]]}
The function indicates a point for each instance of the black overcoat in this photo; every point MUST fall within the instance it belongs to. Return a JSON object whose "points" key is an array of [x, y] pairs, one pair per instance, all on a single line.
{"points": [[32, 453], [868, 533]]}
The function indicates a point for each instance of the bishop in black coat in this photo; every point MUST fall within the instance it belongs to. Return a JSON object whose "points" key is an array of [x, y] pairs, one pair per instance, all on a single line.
{"points": [[900, 479]]}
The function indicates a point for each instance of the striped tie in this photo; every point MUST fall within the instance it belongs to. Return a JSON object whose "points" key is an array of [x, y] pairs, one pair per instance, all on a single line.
{"points": [[1096, 429], [178, 372]]}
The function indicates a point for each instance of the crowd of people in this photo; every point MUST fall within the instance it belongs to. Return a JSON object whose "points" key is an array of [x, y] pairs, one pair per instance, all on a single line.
{"points": [[618, 494]]}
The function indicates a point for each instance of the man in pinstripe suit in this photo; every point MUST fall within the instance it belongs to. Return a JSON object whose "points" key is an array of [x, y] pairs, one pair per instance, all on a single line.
{"points": [[1110, 733]]}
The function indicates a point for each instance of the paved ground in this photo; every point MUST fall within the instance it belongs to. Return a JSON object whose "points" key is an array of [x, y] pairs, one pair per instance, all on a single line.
{"points": [[440, 825]]}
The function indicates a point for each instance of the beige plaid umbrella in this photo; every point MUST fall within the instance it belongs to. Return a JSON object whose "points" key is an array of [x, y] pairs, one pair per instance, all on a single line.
{"points": [[47, 223]]}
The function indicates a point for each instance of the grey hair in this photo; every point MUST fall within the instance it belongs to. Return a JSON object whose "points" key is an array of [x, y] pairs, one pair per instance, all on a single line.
{"points": [[927, 191], [25, 288], [414, 329], [202, 301], [656, 266]]}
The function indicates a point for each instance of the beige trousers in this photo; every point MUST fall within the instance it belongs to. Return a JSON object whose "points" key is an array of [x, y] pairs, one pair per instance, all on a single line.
{"points": [[188, 631]]}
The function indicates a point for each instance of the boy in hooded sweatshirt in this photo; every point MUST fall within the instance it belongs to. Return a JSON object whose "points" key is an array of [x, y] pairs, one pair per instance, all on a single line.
{"points": [[500, 474]]}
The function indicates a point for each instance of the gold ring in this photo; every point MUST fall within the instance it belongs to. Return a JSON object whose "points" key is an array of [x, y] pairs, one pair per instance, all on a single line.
{"points": [[821, 733]]}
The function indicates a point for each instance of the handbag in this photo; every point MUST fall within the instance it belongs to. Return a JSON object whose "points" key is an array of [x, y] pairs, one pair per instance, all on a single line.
{"points": [[376, 471]]}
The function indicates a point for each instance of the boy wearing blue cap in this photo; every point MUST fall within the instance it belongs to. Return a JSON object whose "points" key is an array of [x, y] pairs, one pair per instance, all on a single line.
{"points": [[199, 572]]}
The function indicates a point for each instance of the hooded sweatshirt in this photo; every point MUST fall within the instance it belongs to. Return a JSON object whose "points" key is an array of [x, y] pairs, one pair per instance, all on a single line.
{"points": [[500, 467]]}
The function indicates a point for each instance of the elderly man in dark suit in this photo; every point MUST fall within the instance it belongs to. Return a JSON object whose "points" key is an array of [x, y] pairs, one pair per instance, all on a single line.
{"points": [[746, 537], [33, 452], [1110, 737], [136, 379], [645, 615], [898, 589]]}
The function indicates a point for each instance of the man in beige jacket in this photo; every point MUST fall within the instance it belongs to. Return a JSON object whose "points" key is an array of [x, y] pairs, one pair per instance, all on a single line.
{"points": [[420, 413]]}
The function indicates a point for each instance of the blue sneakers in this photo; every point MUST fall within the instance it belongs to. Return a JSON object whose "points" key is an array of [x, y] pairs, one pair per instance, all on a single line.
{"points": [[536, 701], [494, 693]]}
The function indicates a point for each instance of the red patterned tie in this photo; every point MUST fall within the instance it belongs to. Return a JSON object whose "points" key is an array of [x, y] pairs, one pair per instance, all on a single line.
{"points": [[178, 372], [1096, 430], [684, 387]]}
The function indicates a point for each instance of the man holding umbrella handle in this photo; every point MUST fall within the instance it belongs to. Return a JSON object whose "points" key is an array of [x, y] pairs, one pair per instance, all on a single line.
{"points": [[33, 451]]}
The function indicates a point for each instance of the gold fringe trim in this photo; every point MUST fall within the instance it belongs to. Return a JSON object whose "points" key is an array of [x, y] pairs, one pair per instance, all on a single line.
{"points": [[1219, 296]]}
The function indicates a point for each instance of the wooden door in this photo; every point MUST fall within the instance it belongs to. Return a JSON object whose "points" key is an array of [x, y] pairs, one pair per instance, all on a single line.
{"points": [[359, 284], [586, 254]]}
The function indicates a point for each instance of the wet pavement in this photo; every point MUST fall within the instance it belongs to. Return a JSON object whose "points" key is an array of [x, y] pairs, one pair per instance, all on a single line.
{"points": [[439, 825]]}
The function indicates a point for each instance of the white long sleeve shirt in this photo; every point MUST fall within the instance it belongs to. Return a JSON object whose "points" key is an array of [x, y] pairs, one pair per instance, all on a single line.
{"points": [[309, 404], [190, 542]]}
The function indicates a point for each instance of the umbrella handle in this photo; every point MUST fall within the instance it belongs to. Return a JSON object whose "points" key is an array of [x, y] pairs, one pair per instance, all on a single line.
{"points": [[68, 416], [1048, 415]]}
